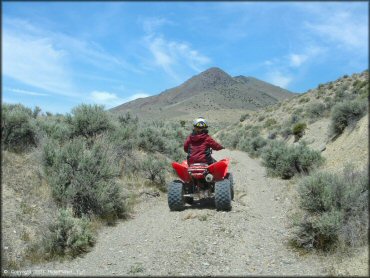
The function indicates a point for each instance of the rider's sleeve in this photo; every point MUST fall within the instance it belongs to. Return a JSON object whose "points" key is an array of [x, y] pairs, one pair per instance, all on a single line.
{"points": [[214, 145], [186, 144]]}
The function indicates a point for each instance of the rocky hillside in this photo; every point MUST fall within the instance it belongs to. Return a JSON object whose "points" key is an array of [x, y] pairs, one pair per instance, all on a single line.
{"points": [[314, 110], [212, 93], [331, 120]]}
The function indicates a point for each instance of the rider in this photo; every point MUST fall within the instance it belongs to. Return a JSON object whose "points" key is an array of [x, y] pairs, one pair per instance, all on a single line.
{"points": [[198, 145]]}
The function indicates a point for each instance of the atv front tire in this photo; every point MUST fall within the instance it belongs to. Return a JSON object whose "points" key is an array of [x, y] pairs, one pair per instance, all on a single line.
{"points": [[176, 200], [223, 195]]}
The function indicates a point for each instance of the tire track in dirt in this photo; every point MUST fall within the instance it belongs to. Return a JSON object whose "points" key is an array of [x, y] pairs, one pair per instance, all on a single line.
{"points": [[249, 240]]}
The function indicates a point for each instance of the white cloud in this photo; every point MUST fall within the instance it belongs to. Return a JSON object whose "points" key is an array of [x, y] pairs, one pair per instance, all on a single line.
{"points": [[75, 47], [45, 60], [171, 55], [296, 59], [92, 53], [306, 56], [136, 96], [37, 62], [310, 53], [158, 47], [342, 27], [282, 71], [103, 96], [111, 100], [151, 24], [24, 92], [279, 79]]}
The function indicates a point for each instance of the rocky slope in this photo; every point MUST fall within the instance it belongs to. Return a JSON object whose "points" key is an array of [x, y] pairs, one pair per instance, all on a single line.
{"points": [[27, 207], [314, 109], [351, 147]]}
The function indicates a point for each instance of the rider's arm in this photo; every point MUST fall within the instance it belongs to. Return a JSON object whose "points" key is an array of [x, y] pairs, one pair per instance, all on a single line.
{"points": [[214, 145], [186, 144]]}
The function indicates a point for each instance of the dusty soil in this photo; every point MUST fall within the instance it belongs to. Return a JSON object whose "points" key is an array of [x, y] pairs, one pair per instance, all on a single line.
{"points": [[27, 206], [252, 239], [351, 147]]}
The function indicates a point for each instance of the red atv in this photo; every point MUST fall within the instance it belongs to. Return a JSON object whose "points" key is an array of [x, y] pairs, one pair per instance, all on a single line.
{"points": [[201, 180]]}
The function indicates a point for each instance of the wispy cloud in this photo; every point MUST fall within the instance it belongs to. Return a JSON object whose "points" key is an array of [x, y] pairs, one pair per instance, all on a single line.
{"points": [[152, 24], [136, 96], [24, 92], [35, 61], [49, 60], [280, 79], [282, 71], [170, 55], [103, 97], [344, 27], [297, 59], [111, 99], [92, 53], [162, 56], [307, 55]]}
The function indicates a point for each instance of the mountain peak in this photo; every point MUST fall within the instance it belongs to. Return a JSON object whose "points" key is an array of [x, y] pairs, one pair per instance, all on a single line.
{"points": [[209, 79], [215, 72], [212, 90]]}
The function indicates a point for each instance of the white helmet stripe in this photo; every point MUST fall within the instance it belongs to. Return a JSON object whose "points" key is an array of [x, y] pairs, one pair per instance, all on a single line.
{"points": [[200, 122]]}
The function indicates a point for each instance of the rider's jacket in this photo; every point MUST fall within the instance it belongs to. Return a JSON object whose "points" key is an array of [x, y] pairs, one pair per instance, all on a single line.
{"points": [[198, 147]]}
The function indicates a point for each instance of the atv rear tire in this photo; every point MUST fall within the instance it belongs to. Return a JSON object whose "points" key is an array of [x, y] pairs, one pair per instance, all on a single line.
{"points": [[189, 200], [176, 200], [223, 195], [229, 176]]}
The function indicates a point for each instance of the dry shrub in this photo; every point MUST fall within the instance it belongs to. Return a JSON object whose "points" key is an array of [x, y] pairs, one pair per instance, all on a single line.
{"points": [[336, 210]]}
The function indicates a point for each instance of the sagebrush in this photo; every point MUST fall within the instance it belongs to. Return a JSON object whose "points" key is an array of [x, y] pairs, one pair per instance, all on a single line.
{"points": [[345, 114], [68, 236], [286, 161], [85, 177], [336, 210], [18, 128]]}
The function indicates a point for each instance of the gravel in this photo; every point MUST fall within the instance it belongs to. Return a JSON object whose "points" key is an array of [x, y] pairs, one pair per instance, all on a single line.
{"points": [[251, 239]]}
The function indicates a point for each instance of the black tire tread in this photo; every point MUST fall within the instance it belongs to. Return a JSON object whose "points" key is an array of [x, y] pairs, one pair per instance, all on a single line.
{"points": [[223, 195], [230, 177], [176, 196]]}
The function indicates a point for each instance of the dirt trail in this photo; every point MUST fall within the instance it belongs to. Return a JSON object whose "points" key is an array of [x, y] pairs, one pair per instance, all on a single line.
{"points": [[249, 240]]}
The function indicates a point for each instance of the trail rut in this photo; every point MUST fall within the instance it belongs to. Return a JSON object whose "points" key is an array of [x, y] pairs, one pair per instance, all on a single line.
{"points": [[252, 239]]}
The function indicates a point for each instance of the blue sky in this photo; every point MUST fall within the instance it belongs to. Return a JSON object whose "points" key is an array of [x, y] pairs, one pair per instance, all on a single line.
{"points": [[57, 55]]}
